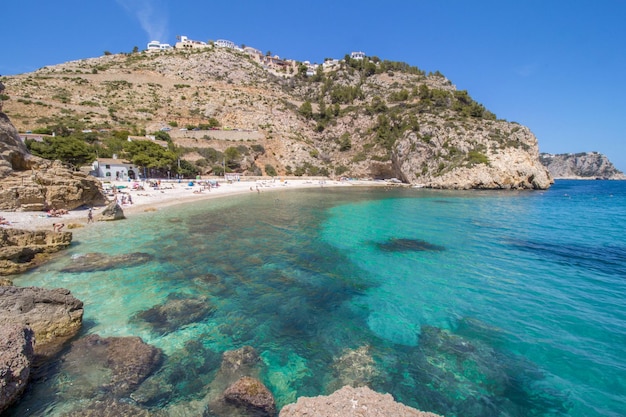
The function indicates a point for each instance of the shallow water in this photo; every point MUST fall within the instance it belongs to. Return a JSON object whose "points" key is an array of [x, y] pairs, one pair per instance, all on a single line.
{"points": [[460, 303]]}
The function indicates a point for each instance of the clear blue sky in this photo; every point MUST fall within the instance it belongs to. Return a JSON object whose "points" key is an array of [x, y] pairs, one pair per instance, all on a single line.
{"points": [[557, 67]]}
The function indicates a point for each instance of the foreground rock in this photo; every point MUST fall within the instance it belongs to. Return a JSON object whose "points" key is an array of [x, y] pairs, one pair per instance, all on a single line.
{"points": [[251, 394], [30, 183], [348, 401], [584, 165], [21, 250], [54, 314], [112, 365], [17, 344]]}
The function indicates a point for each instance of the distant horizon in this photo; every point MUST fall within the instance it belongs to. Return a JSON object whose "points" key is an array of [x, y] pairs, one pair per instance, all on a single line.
{"points": [[553, 68]]}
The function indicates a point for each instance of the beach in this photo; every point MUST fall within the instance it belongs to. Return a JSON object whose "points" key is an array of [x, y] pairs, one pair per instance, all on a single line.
{"points": [[147, 196]]}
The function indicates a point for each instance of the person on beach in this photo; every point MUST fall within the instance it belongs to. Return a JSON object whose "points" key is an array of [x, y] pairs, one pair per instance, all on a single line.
{"points": [[90, 216], [57, 227]]}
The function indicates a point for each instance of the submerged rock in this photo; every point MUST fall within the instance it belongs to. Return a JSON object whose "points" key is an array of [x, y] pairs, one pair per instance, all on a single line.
{"points": [[17, 349], [240, 361], [114, 365], [251, 394], [184, 374], [355, 367], [409, 245], [21, 250], [90, 262], [177, 311], [111, 408], [54, 314], [348, 401]]}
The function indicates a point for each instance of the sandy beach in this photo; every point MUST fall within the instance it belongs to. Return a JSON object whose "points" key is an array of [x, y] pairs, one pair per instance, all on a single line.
{"points": [[148, 198]]}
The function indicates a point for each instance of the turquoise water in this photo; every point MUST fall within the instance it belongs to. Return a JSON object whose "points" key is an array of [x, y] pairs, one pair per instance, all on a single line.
{"points": [[460, 303]]}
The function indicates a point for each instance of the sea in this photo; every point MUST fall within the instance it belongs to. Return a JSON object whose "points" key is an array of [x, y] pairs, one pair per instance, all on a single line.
{"points": [[462, 303]]}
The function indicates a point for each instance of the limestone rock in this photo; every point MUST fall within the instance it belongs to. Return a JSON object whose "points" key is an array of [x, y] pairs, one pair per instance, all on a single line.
{"points": [[348, 401], [483, 155], [583, 165], [17, 343], [24, 249], [116, 365], [53, 314], [111, 212], [30, 183], [250, 393], [111, 408], [92, 261], [177, 311], [239, 361]]}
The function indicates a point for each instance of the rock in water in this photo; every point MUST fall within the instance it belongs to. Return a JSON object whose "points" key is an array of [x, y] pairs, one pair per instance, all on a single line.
{"points": [[21, 250], [251, 394], [111, 212], [17, 345], [348, 401], [116, 365], [54, 314]]}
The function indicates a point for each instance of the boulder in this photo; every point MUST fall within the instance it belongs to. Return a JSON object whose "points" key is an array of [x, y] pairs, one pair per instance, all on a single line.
{"points": [[348, 401], [21, 250], [17, 344], [54, 314], [177, 311], [251, 394], [111, 212], [115, 365]]}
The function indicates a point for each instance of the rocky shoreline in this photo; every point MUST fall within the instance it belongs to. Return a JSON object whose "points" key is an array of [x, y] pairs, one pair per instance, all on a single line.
{"points": [[41, 325]]}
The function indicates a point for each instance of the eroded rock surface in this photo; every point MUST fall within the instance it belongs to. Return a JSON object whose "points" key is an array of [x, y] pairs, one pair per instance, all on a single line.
{"points": [[348, 401], [251, 394], [30, 183], [54, 314], [21, 250], [17, 349]]}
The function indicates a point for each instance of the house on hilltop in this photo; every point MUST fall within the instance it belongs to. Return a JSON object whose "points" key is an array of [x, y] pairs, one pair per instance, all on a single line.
{"points": [[357, 55], [186, 43], [223, 43], [158, 46]]}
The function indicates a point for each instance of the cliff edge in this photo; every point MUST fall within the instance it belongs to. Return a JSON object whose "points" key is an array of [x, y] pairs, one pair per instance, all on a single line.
{"points": [[584, 165]]}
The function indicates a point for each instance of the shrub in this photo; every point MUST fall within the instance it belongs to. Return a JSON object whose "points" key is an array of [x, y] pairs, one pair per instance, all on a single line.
{"points": [[270, 170]]}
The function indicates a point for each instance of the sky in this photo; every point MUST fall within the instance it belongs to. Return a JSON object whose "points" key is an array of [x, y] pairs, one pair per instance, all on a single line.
{"points": [[556, 66]]}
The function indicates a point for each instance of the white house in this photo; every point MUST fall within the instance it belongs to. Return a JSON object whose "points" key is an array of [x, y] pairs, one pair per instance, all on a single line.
{"points": [[223, 43], [186, 43], [357, 55], [114, 169], [158, 46]]}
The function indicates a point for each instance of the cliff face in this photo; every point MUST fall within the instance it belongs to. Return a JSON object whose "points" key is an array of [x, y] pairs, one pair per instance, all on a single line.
{"points": [[370, 118], [585, 165], [31, 183]]}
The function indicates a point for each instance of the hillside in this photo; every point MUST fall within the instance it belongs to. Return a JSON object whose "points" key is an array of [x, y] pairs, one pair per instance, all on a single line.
{"points": [[359, 118], [584, 165]]}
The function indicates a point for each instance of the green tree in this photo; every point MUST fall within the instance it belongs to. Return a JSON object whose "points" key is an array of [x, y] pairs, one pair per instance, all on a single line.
{"points": [[69, 150], [232, 157], [306, 110]]}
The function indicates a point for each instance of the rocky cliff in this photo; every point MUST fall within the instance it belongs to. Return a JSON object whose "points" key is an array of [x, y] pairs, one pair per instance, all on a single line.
{"points": [[30, 183], [584, 165], [359, 118]]}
